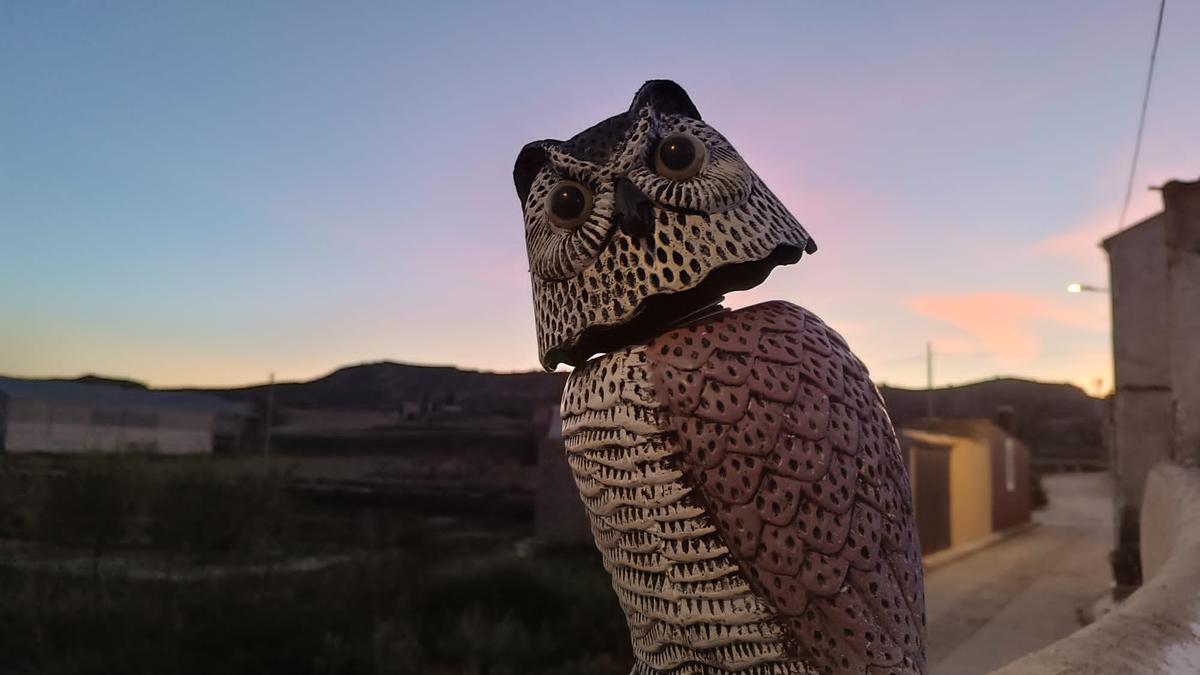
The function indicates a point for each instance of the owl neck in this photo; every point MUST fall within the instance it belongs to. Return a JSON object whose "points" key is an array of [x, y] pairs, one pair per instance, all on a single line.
{"points": [[663, 316], [697, 316]]}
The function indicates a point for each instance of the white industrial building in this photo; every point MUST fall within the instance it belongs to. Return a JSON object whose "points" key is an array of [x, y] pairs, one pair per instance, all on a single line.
{"points": [[74, 417]]}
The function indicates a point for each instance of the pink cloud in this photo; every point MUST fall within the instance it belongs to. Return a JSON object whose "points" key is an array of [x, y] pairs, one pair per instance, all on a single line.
{"points": [[1081, 242], [1003, 324]]}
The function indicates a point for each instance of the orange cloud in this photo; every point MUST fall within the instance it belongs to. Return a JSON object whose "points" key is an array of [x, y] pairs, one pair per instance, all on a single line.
{"points": [[1003, 324]]}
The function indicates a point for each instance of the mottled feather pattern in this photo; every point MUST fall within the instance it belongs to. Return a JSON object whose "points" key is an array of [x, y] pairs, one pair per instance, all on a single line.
{"points": [[690, 609], [785, 440]]}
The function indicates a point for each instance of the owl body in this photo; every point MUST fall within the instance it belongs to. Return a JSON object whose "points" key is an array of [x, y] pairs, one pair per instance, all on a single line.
{"points": [[747, 493], [742, 478]]}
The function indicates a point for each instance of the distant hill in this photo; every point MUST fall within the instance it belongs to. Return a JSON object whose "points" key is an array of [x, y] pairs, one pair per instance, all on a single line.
{"points": [[1055, 420], [112, 381], [388, 386]]}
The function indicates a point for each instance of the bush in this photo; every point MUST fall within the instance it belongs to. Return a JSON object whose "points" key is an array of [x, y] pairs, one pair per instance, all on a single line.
{"points": [[368, 618], [22, 499], [205, 515], [517, 615], [414, 602], [193, 510], [94, 504]]}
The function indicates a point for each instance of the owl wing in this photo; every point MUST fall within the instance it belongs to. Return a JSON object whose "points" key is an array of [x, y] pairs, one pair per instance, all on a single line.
{"points": [[785, 439]]}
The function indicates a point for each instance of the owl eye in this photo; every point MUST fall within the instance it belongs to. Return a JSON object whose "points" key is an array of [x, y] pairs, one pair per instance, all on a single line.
{"points": [[679, 156], [568, 205]]}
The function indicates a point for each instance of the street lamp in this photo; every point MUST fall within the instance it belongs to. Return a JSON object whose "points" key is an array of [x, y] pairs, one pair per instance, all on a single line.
{"points": [[1085, 288]]}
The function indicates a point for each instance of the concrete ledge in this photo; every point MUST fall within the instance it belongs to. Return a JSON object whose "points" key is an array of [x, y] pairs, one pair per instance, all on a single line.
{"points": [[1156, 631]]}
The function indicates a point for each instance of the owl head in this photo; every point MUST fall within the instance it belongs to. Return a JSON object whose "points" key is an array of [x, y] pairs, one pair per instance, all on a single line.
{"points": [[641, 221]]}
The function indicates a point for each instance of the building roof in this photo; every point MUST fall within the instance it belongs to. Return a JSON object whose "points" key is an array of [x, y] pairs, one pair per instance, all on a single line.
{"points": [[117, 396], [1177, 195], [928, 438], [1108, 242], [967, 427]]}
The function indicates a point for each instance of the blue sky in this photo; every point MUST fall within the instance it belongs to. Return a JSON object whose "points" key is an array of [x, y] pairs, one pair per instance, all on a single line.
{"points": [[204, 193]]}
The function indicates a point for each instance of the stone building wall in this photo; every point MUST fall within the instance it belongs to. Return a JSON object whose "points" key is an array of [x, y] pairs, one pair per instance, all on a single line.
{"points": [[1154, 272]]}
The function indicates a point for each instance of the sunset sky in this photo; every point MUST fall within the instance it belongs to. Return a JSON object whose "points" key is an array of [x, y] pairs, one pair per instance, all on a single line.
{"points": [[202, 193]]}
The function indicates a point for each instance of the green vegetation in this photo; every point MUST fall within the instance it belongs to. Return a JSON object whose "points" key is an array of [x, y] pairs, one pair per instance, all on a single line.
{"points": [[502, 616], [406, 594], [202, 515], [134, 503]]}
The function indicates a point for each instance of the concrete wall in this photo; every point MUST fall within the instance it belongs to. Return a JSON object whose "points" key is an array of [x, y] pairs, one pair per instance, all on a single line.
{"points": [[1182, 203], [1142, 409], [1138, 285], [1143, 422], [1185, 353], [970, 491], [1156, 631], [1142, 432]]}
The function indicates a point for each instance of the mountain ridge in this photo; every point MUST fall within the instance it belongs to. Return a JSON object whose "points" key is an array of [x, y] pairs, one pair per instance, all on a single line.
{"points": [[1057, 420]]}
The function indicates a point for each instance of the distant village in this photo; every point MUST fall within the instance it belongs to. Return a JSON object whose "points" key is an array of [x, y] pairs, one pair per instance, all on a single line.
{"points": [[973, 475]]}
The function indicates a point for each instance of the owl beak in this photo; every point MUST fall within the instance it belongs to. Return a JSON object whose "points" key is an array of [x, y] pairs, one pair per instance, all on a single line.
{"points": [[634, 212]]}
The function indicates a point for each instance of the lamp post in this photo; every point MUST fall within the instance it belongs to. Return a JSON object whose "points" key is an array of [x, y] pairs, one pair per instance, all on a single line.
{"points": [[1085, 288]]}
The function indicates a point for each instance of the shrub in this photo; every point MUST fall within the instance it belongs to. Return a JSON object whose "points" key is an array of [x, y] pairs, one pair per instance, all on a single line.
{"points": [[22, 499], [520, 615], [93, 504], [205, 515]]}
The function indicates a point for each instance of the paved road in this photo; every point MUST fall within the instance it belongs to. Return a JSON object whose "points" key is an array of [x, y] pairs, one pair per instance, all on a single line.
{"points": [[1023, 593]]}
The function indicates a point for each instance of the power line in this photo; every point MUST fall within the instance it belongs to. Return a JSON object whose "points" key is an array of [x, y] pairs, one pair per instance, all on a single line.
{"points": [[1137, 145]]}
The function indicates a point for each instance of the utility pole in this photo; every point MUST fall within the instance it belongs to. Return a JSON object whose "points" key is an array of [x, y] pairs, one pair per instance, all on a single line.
{"points": [[930, 407], [267, 423]]}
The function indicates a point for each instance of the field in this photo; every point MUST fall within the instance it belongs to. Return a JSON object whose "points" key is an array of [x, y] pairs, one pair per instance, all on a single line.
{"points": [[141, 565]]}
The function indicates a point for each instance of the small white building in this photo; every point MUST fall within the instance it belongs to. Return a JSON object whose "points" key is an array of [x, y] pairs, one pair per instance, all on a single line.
{"points": [[74, 417]]}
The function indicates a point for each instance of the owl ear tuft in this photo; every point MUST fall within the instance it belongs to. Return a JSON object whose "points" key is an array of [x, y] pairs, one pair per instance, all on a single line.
{"points": [[530, 161], [666, 97]]}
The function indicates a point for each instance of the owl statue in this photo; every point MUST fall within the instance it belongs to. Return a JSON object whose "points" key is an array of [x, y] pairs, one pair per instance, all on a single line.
{"points": [[741, 475]]}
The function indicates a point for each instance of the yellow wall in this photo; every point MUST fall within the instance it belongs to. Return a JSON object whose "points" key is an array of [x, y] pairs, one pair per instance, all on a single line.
{"points": [[970, 491]]}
